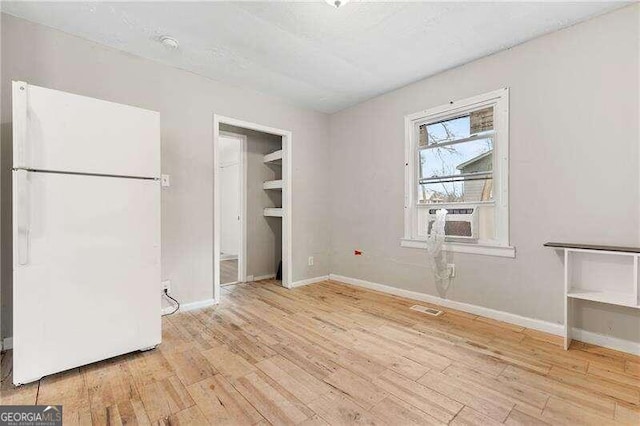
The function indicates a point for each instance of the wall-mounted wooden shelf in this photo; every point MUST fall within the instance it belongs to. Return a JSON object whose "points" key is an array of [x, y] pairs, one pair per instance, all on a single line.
{"points": [[599, 273], [611, 297], [274, 157], [273, 184], [273, 212]]}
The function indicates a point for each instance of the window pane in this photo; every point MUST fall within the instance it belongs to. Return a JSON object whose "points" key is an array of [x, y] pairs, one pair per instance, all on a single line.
{"points": [[477, 189], [449, 130], [459, 158], [446, 131]]}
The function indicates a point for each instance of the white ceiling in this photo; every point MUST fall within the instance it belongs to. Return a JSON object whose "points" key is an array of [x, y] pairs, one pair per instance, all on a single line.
{"points": [[308, 52]]}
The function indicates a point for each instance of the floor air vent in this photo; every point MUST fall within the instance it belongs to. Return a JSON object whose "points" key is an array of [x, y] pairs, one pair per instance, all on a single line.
{"points": [[425, 310]]}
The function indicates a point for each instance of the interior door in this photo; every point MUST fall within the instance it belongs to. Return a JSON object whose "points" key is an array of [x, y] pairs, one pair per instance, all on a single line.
{"points": [[59, 131], [86, 270], [230, 209], [230, 194]]}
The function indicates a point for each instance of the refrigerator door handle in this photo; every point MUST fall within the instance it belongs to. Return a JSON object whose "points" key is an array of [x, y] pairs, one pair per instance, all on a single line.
{"points": [[23, 218], [19, 94]]}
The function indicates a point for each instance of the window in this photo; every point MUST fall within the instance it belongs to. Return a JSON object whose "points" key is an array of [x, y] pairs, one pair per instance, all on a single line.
{"points": [[457, 158]]}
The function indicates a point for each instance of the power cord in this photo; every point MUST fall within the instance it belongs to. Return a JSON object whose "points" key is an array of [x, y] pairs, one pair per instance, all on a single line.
{"points": [[166, 294]]}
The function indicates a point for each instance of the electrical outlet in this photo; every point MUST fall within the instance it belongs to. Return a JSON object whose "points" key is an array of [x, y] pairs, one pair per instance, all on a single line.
{"points": [[165, 180], [452, 269], [166, 285], [310, 260]]}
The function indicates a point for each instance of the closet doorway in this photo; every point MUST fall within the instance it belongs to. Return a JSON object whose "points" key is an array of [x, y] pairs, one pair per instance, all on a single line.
{"points": [[265, 217], [233, 196]]}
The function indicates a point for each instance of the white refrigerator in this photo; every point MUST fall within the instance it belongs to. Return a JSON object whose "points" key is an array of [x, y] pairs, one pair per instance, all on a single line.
{"points": [[86, 230]]}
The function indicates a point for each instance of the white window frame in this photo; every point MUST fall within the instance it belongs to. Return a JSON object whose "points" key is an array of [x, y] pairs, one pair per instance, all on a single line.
{"points": [[499, 99]]}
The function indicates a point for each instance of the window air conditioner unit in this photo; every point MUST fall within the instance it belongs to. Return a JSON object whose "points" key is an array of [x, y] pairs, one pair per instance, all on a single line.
{"points": [[460, 223]]}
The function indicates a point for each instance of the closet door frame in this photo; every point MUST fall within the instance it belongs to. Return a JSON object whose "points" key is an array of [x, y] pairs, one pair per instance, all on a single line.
{"points": [[287, 218], [242, 184]]}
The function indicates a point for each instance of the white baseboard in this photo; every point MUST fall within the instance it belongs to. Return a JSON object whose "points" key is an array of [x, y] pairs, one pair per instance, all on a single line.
{"points": [[309, 281], [261, 277], [535, 324], [185, 307], [606, 341]]}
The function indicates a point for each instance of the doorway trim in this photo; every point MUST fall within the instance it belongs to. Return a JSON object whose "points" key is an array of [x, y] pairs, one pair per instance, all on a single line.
{"points": [[287, 263], [242, 163]]}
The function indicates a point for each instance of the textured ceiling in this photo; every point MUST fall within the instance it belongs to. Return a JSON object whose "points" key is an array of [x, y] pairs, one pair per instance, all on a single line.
{"points": [[308, 52]]}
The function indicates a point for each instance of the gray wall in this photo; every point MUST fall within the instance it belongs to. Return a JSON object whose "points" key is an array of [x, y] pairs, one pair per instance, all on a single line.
{"points": [[264, 234], [50, 58], [574, 117], [574, 165]]}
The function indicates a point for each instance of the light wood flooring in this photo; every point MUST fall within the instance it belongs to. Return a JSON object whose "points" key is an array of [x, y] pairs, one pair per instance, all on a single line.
{"points": [[228, 271], [334, 354]]}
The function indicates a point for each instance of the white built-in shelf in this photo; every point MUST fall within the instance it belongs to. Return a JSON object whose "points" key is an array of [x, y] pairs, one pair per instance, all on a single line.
{"points": [[274, 158], [611, 297], [604, 274], [272, 184], [273, 212]]}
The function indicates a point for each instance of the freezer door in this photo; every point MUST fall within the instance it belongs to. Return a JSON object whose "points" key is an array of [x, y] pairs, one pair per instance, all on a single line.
{"points": [[86, 270], [58, 131]]}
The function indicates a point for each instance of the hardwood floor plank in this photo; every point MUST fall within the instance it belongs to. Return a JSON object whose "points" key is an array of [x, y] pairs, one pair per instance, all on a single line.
{"points": [[276, 405], [148, 367], [308, 358], [230, 365], [627, 414], [314, 421], [392, 410], [109, 383], [67, 388], [222, 404], [597, 385], [124, 413], [474, 396], [544, 337], [614, 376], [518, 418], [187, 417], [191, 366], [164, 398], [515, 391], [337, 409], [437, 405], [358, 389], [470, 417], [302, 384], [558, 411], [78, 415], [632, 368], [582, 398], [428, 359], [501, 324]]}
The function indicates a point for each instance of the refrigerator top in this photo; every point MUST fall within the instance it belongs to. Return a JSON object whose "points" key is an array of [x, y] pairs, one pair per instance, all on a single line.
{"points": [[66, 133]]}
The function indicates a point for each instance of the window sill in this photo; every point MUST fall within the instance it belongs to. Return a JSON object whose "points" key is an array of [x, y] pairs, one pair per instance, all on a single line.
{"points": [[483, 249]]}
